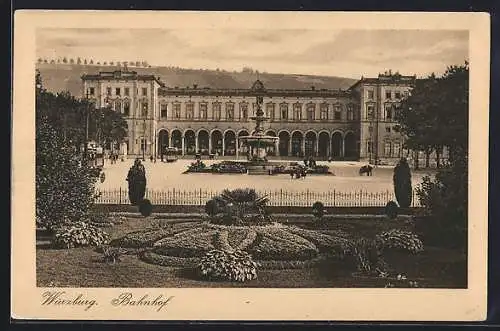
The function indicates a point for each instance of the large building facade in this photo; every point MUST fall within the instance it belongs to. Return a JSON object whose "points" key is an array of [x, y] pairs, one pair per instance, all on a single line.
{"points": [[352, 124]]}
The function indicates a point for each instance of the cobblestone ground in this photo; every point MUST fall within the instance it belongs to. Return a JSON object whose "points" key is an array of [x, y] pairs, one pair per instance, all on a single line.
{"points": [[169, 175]]}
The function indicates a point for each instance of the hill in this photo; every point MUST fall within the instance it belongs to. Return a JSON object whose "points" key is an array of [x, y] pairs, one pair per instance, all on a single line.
{"points": [[67, 77]]}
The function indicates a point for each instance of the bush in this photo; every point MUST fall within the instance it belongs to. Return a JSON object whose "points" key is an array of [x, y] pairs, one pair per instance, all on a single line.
{"points": [[212, 208], [228, 265], [145, 208], [398, 239], [318, 209], [243, 206], [444, 201], [402, 183], [64, 188], [391, 209], [197, 166], [80, 234], [368, 255]]}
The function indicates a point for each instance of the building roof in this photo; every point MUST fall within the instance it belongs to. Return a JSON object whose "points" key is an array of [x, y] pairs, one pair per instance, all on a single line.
{"points": [[387, 78], [121, 75], [252, 92]]}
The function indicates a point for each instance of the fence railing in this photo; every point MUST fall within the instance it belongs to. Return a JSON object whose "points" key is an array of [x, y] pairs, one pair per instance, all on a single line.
{"points": [[281, 198]]}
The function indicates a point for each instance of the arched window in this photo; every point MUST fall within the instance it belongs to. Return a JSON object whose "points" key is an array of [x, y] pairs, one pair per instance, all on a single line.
{"points": [[126, 108], [118, 106]]}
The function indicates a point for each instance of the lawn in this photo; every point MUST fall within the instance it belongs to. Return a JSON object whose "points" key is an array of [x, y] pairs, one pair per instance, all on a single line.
{"points": [[83, 267]]}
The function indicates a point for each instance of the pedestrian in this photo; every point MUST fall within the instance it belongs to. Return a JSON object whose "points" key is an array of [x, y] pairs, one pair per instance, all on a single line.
{"points": [[136, 178]]}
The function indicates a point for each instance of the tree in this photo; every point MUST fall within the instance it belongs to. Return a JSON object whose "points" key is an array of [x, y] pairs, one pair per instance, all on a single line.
{"points": [[417, 117], [91, 61], [107, 126], [64, 186], [105, 63], [111, 63], [40, 60], [435, 115], [79, 60], [72, 61], [445, 197], [402, 183], [65, 60], [85, 61]]}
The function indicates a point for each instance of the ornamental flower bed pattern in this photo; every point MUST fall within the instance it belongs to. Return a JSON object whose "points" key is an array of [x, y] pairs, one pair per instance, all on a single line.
{"points": [[274, 246]]}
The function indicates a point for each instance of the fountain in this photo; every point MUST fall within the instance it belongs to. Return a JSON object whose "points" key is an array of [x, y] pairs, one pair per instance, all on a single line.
{"points": [[258, 142]]}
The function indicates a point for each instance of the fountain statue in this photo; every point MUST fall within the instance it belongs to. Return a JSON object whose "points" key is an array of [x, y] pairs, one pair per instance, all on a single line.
{"points": [[258, 142]]}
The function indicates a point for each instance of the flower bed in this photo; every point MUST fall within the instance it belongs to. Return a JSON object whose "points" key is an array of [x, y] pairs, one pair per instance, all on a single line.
{"points": [[272, 246], [324, 242], [146, 238]]}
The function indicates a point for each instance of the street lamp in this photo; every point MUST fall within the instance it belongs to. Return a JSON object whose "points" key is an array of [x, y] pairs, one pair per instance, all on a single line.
{"points": [[144, 141], [87, 115]]}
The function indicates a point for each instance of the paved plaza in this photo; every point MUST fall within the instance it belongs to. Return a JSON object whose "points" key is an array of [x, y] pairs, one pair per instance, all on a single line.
{"points": [[168, 176]]}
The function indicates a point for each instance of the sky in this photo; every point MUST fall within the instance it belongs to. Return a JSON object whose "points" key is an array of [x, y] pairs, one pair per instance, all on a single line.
{"points": [[343, 53]]}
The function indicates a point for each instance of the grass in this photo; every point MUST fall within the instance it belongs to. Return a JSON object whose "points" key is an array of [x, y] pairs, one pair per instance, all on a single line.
{"points": [[83, 267]]}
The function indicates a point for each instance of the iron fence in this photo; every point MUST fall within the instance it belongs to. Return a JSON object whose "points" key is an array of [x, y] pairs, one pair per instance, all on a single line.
{"points": [[281, 198]]}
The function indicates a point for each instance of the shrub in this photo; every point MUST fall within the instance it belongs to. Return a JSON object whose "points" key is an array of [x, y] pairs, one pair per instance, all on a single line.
{"points": [[229, 168], [228, 265], [399, 239], [391, 209], [402, 183], [444, 200], [367, 254], [80, 234], [196, 166], [64, 188], [245, 206], [318, 209], [212, 208], [145, 207]]}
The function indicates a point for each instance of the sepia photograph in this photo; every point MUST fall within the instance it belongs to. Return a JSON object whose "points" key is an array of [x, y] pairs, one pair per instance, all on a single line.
{"points": [[265, 156]]}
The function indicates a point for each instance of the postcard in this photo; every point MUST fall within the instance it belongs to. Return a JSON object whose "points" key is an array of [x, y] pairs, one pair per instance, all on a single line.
{"points": [[173, 165]]}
